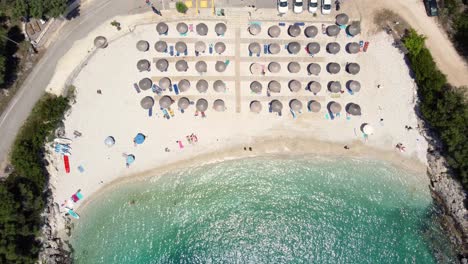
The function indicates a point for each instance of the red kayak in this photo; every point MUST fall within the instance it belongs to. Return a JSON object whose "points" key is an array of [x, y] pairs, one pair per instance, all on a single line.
{"points": [[66, 162]]}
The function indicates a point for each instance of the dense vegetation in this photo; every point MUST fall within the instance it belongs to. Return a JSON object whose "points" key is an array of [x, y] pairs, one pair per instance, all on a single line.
{"points": [[23, 193], [454, 15], [38, 8], [181, 7], [442, 106]]}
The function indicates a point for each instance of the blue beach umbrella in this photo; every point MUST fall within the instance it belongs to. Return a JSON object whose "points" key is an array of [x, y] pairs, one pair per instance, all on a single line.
{"points": [[130, 159], [139, 138]]}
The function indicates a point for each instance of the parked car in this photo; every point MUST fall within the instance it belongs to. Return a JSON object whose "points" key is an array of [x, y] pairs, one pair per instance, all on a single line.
{"points": [[326, 7], [313, 5], [282, 6], [431, 7], [298, 6]]}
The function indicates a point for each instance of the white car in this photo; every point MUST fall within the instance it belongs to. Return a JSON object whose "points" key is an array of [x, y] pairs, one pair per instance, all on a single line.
{"points": [[298, 6], [313, 5], [326, 7], [282, 6]]}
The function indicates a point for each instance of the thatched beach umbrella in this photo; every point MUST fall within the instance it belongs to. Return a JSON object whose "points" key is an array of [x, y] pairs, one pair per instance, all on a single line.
{"points": [[201, 66], [220, 66], [256, 69], [274, 31], [160, 46], [180, 46], [200, 46], [294, 31], [314, 87], [353, 68], [274, 48], [310, 31], [162, 28], [255, 29], [333, 47], [334, 87], [353, 47], [256, 87], [333, 30], [342, 19], [255, 106], [313, 48], [333, 68], [295, 105], [162, 65], [147, 102], [202, 86], [100, 42], [142, 45], [184, 85], [274, 67], [354, 29], [202, 29], [201, 105], [353, 109], [143, 65], [181, 66], [294, 47], [220, 29], [219, 106], [294, 67], [276, 106], [183, 103], [219, 47], [145, 83], [354, 86], [274, 87], [295, 86], [182, 28], [255, 48], [314, 68], [165, 83], [314, 106], [219, 86], [334, 107]]}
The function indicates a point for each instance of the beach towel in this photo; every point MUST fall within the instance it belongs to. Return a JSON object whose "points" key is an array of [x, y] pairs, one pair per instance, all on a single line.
{"points": [[171, 112], [80, 169], [66, 163], [293, 114], [181, 146], [73, 214]]}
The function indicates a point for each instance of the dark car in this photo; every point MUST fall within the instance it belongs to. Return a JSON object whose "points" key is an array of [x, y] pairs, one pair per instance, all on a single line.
{"points": [[431, 7]]}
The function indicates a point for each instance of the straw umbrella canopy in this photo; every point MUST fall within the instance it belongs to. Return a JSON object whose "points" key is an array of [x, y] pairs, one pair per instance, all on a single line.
{"points": [[255, 48], [143, 65], [165, 83], [219, 47], [147, 102], [201, 105], [183, 103], [294, 31], [162, 28], [184, 85], [314, 68], [294, 47], [295, 86], [162, 65], [294, 67], [202, 29], [354, 29], [142, 45], [100, 42], [274, 67], [333, 30], [353, 47], [353, 68], [256, 87], [255, 106], [276, 106], [200, 46], [342, 19], [256, 69], [274, 31], [334, 87], [295, 105], [180, 46], [220, 66], [145, 83], [160, 46], [368, 129], [219, 86], [220, 29], [165, 101], [109, 141], [255, 29], [333, 47], [315, 87], [201, 66], [334, 107], [333, 68], [274, 86], [310, 31], [202, 86], [181, 66], [182, 28], [313, 48], [353, 109], [274, 48], [219, 106], [354, 86], [314, 106]]}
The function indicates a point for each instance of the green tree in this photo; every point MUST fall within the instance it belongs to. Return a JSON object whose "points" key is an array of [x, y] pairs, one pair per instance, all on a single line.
{"points": [[414, 42], [181, 7], [2, 56], [55, 8], [21, 8], [36, 8]]}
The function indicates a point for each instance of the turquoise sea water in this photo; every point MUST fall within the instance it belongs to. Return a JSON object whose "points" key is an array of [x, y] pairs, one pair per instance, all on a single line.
{"points": [[265, 210]]}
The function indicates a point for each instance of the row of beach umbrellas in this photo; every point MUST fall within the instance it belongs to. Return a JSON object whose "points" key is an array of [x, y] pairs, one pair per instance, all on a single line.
{"points": [[313, 86], [183, 28], [312, 48], [312, 68], [180, 46], [183, 103], [310, 31], [182, 66], [184, 85]]}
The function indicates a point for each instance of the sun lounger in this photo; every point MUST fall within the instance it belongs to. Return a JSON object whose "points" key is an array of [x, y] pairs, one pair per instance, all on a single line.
{"points": [[366, 45], [324, 29], [66, 163], [186, 52], [299, 24], [136, 87], [176, 89], [203, 114], [293, 114], [196, 53], [265, 48], [281, 24], [171, 50], [190, 27], [171, 112], [73, 214], [211, 49], [250, 54], [166, 114], [196, 113], [150, 112], [80, 169], [181, 146], [227, 62]]}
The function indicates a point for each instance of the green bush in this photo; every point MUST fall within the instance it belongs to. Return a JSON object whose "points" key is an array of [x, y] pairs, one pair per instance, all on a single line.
{"points": [[181, 7]]}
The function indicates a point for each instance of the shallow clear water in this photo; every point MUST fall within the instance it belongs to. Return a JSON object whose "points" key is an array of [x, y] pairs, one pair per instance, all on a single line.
{"points": [[265, 210]]}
